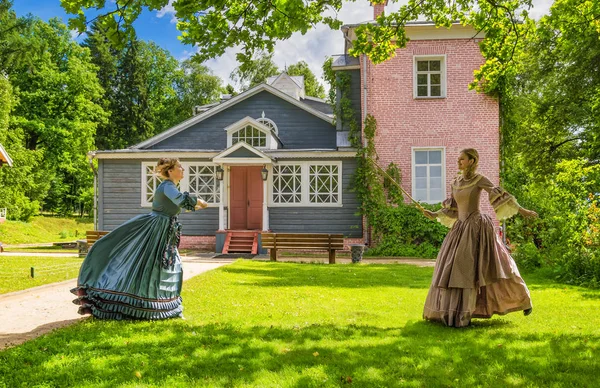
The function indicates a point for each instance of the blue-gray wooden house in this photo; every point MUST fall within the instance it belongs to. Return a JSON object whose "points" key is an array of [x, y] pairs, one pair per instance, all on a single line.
{"points": [[270, 158]]}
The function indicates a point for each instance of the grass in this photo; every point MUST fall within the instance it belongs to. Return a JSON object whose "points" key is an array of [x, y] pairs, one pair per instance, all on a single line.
{"points": [[15, 271], [261, 324], [43, 229], [42, 249]]}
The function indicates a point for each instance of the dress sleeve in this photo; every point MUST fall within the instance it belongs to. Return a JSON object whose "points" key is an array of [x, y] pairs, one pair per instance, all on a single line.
{"points": [[184, 200], [448, 214], [505, 205]]}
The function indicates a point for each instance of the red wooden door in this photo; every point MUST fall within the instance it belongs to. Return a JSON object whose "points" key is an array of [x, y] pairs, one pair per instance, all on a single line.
{"points": [[255, 197], [246, 197]]}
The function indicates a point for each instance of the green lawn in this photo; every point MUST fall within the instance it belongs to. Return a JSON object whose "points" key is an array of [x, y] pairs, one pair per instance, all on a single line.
{"points": [[44, 229], [261, 324], [15, 271]]}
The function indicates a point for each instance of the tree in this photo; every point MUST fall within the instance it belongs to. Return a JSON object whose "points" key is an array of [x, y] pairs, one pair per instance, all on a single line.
{"points": [[256, 71], [256, 26], [140, 84], [312, 87], [195, 85], [553, 103], [54, 120], [15, 33]]}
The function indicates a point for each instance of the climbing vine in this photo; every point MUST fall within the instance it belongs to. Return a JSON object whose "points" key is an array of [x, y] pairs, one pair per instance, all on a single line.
{"points": [[397, 229]]}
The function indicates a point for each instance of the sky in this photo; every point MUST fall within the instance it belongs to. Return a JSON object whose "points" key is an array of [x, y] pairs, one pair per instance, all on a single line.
{"points": [[313, 47]]}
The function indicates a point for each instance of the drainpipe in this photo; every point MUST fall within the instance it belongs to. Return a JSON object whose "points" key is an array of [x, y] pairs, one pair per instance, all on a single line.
{"points": [[366, 235], [91, 155]]}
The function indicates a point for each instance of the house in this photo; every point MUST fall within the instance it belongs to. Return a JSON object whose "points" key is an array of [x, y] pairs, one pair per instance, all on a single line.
{"points": [[424, 110], [266, 159]]}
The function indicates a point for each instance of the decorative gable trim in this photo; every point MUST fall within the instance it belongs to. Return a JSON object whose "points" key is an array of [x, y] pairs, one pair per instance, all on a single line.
{"points": [[228, 156], [271, 142], [229, 103]]}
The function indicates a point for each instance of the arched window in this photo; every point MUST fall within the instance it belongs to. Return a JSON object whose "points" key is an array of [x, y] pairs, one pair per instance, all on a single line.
{"points": [[269, 124], [251, 135]]}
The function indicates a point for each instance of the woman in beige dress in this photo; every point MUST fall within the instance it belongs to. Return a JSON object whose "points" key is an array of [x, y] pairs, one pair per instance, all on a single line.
{"points": [[474, 275]]}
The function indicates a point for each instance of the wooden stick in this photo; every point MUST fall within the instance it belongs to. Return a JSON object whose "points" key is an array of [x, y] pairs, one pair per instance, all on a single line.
{"points": [[397, 184]]}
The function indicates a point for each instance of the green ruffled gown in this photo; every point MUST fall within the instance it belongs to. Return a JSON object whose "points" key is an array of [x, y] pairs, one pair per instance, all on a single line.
{"points": [[134, 272]]}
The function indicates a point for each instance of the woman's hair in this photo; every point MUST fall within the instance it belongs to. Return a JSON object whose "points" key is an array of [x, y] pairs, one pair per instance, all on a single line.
{"points": [[473, 155], [164, 165]]}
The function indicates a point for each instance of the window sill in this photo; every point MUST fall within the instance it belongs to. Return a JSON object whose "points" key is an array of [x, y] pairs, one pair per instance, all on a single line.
{"points": [[429, 98]]}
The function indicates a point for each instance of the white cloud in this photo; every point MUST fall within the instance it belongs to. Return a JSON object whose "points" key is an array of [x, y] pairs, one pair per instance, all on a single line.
{"points": [[167, 10]]}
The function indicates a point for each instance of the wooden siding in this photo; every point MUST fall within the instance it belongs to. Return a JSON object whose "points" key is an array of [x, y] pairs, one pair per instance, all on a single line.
{"points": [[322, 219], [298, 129], [119, 190]]}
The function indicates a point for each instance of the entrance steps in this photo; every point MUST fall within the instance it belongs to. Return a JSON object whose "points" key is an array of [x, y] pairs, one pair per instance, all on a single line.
{"points": [[241, 241]]}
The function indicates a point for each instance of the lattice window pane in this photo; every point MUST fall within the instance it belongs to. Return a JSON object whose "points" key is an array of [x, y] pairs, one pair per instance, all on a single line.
{"points": [[324, 184], [287, 184], [251, 135], [203, 183], [151, 182]]}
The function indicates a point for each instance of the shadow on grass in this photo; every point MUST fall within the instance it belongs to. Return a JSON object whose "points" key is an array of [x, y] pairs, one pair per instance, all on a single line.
{"points": [[341, 275], [177, 353]]}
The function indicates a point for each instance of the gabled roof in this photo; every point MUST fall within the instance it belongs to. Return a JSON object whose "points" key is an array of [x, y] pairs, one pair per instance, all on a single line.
{"points": [[297, 79], [242, 153], [4, 157], [227, 104]]}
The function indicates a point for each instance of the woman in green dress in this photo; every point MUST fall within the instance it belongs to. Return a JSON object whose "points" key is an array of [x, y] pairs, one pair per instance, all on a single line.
{"points": [[134, 272]]}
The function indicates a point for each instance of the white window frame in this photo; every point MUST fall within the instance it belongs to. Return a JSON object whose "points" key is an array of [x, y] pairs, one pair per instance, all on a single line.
{"points": [[267, 122], [271, 142], [413, 170], [184, 184], [272, 186], [442, 59], [305, 184], [156, 182]]}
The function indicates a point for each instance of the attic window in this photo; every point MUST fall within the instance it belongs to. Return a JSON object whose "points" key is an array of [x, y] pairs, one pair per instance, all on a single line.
{"points": [[251, 135], [269, 124]]}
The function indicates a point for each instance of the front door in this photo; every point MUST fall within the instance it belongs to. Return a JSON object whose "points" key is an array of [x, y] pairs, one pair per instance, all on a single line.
{"points": [[246, 197]]}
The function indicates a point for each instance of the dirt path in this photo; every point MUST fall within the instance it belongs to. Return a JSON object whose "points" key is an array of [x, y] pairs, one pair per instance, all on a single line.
{"points": [[27, 314]]}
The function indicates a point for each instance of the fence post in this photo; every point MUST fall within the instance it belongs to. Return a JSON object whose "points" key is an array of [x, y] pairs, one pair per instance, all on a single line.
{"points": [[32, 272]]}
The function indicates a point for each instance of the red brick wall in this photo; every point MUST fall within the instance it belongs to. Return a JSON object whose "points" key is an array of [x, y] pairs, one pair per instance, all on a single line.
{"points": [[464, 119], [198, 242]]}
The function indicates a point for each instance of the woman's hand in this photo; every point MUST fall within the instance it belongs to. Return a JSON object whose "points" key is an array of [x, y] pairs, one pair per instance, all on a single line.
{"points": [[527, 213], [201, 204], [429, 214]]}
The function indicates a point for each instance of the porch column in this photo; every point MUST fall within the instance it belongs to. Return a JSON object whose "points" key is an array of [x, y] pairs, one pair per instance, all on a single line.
{"points": [[265, 217], [221, 207]]}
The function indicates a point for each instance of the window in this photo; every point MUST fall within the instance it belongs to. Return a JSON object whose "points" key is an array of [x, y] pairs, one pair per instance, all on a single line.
{"points": [[198, 179], [287, 184], [428, 175], [324, 183], [307, 184], [202, 182], [251, 135], [269, 124], [430, 74], [150, 181]]}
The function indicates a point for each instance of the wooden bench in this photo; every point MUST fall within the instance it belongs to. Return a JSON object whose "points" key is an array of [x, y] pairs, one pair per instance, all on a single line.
{"points": [[91, 236], [308, 241]]}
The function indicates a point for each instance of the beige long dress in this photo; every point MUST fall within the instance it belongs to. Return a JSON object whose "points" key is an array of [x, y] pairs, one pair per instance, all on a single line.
{"points": [[474, 275]]}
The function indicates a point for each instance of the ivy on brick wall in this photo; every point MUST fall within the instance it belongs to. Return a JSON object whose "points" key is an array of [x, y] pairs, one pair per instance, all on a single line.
{"points": [[397, 228]]}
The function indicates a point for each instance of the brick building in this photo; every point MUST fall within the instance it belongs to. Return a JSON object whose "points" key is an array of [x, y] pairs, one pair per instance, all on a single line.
{"points": [[424, 110]]}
